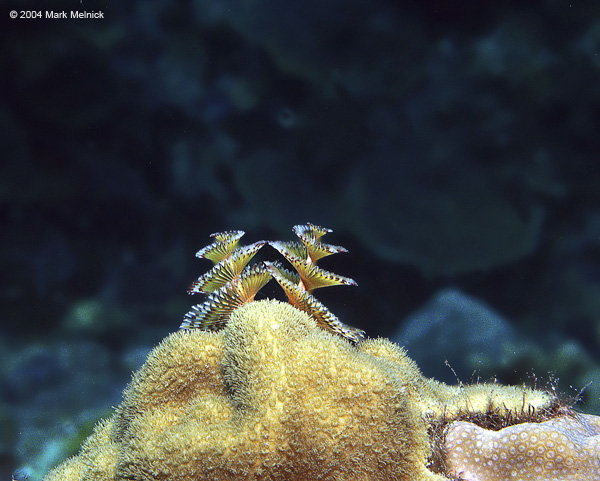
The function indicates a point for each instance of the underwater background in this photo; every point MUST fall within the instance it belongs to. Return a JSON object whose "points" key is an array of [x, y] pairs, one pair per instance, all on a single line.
{"points": [[451, 146]]}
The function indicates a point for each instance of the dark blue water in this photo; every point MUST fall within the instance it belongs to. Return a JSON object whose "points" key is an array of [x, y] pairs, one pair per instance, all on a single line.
{"points": [[452, 149]]}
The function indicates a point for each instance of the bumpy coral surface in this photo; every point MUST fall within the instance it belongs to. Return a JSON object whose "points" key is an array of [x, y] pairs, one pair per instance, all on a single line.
{"points": [[274, 397], [566, 448], [270, 397]]}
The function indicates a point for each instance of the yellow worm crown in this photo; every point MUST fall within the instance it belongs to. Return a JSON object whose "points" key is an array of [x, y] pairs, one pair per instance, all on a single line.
{"points": [[231, 283]]}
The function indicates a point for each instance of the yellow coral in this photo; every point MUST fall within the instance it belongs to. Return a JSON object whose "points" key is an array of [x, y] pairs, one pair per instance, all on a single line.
{"points": [[289, 392], [274, 397]]}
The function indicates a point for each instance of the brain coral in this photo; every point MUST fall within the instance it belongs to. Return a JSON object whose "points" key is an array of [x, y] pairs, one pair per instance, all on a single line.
{"points": [[262, 390], [273, 396]]}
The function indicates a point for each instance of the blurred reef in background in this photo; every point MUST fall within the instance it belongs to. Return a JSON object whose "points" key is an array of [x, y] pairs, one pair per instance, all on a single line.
{"points": [[452, 148]]}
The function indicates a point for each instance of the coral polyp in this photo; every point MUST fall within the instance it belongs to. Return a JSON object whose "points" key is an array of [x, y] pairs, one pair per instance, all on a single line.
{"points": [[566, 447]]}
